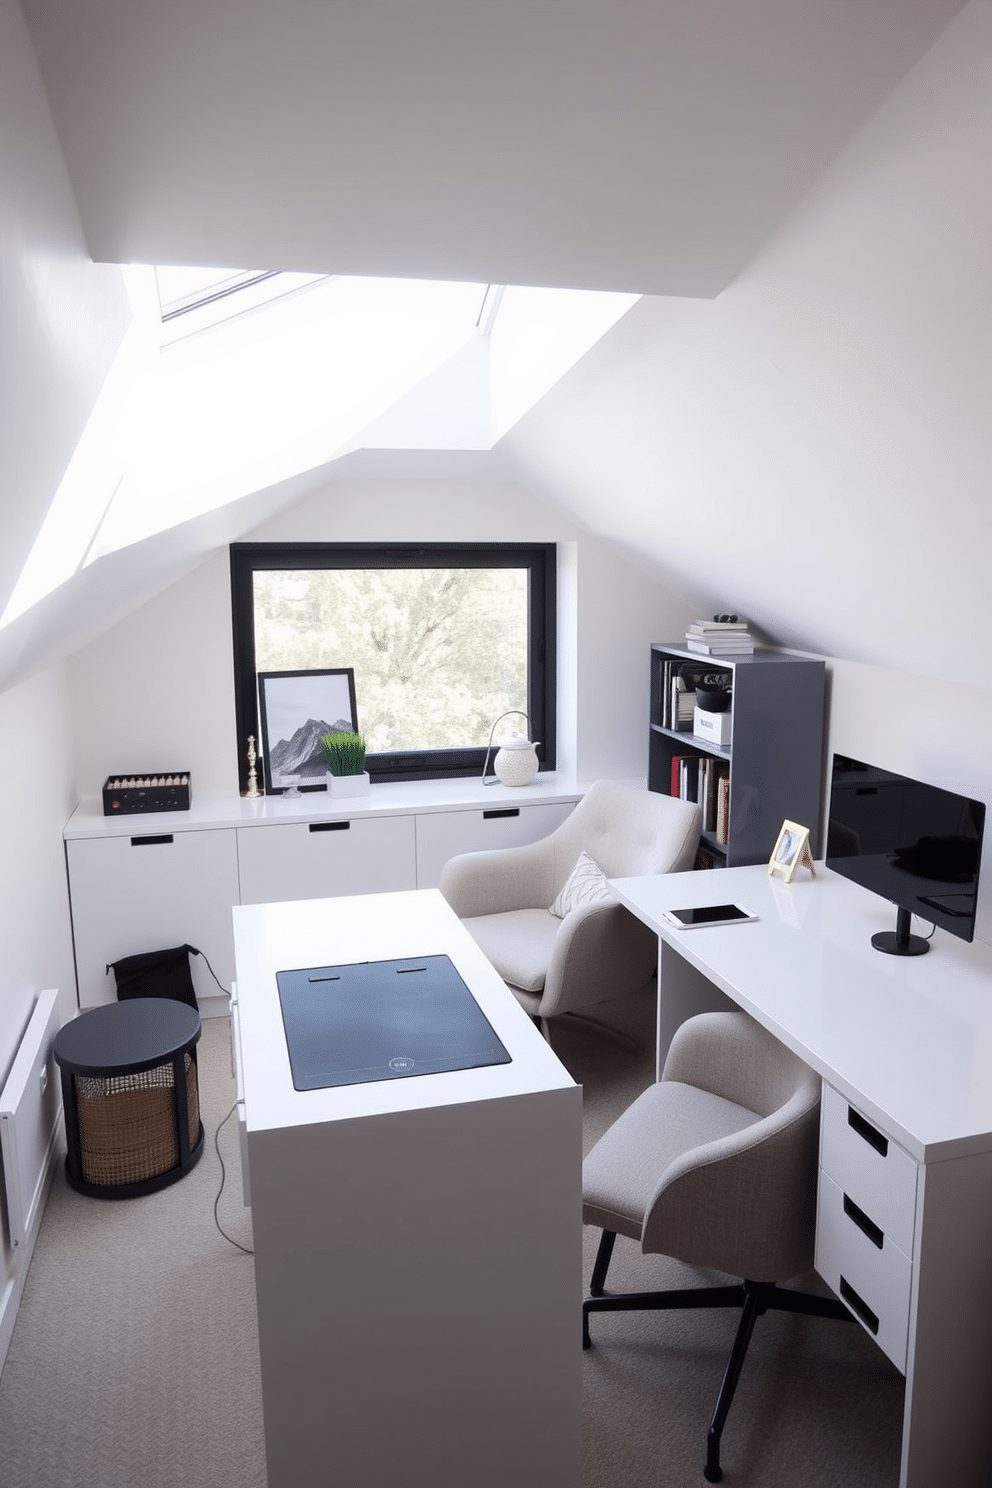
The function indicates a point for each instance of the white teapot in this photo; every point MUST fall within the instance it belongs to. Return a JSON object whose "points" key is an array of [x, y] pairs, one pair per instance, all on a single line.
{"points": [[516, 757], [516, 760]]}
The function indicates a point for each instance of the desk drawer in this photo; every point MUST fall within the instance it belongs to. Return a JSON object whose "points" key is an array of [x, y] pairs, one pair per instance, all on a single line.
{"points": [[868, 1166], [865, 1268]]}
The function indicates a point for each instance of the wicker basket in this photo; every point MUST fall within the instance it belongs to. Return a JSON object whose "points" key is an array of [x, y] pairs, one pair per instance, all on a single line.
{"points": [[128, 1124]]}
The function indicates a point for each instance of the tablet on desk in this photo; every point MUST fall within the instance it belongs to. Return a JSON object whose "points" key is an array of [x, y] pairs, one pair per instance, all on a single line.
{"points": [[707, 914]]}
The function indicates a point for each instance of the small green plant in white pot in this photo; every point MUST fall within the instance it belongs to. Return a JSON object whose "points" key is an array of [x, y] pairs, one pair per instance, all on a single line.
{"points": [[345, 756]]}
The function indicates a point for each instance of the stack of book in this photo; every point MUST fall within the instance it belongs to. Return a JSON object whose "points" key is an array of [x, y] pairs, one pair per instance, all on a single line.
{"points": [[706, 780], [684, 705], [719, 638], [675, 698]]}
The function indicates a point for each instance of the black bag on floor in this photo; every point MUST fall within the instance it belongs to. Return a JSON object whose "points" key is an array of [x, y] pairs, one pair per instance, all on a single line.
{"points": [[156, 974]]}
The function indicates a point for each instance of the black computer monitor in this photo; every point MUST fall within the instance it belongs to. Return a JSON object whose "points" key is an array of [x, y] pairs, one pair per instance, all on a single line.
{"points": [[914, 844]]}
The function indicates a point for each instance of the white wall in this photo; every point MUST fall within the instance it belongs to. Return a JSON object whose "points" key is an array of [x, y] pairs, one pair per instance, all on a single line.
{"points": [[62, 318], [815, 445], [622, 610], [155, 694], [156, 691], [36, 797]]}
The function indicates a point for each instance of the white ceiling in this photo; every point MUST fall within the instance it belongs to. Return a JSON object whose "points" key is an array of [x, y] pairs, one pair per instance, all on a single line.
{"points": [[642, 145], [651, 146]]}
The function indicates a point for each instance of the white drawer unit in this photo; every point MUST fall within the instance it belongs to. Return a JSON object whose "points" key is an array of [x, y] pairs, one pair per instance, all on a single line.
{"points": [[866, 1270], [444, 834], [873, 1169], [865, 1222], [320, 859], [149, 891]]}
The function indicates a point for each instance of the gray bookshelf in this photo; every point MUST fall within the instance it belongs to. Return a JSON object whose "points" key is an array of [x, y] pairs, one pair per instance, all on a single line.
{"points": [[773, 762]]}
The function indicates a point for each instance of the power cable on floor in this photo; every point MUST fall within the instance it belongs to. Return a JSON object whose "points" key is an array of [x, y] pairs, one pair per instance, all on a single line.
{"points": [[223, 1176]]}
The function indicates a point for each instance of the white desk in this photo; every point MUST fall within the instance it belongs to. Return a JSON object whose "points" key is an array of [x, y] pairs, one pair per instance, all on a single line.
{"points": [[904, 1046], [418, 1243]]}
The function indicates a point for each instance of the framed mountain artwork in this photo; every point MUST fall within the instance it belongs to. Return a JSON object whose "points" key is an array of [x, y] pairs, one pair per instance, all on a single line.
{"points": [[296, 709]]}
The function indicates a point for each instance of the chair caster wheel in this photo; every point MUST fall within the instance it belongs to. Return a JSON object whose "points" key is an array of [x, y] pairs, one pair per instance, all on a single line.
{"points": [[713, 1474]]}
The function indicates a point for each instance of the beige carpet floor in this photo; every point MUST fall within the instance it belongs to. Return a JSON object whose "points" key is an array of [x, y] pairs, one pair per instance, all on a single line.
{"points": [[135, 1359]]}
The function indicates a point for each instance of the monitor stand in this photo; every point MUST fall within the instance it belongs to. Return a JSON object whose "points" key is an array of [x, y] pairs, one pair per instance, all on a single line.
{"points": [[899, 942]]}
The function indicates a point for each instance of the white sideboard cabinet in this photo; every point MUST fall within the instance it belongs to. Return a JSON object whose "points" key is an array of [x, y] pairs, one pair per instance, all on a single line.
{"points": [[444, 834], [146, 890], [320, 859], [148, 882]]}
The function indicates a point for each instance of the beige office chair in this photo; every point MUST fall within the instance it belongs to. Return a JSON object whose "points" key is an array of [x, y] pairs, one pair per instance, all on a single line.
{"points": [[543, 913], [714, 1165]]}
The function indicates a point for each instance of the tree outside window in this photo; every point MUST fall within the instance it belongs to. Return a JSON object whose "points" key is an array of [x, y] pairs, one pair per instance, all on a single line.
{"points": [[438, 654]]}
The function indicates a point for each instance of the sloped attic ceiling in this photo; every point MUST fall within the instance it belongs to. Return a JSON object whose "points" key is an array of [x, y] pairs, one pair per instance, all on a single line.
{"points": [[614, 144], [640, 145]]}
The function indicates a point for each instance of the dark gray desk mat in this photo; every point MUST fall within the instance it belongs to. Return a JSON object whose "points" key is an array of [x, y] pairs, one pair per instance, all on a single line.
{"points": [[382, 1020]]}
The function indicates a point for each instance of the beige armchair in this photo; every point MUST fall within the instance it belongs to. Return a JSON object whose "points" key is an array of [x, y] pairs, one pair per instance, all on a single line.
{"points": [[558, 937], [714, 1165]]}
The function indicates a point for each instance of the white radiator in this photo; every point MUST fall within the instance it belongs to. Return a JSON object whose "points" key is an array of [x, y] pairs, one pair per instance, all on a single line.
{"points": [[30, 1142]]}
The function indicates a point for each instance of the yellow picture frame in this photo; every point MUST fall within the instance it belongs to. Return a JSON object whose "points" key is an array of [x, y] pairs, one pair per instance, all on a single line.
{"points": [[791, 851]]}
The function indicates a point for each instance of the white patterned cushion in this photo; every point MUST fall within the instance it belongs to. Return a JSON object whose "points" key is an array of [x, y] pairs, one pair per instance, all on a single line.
{"points": [[586, 884]]}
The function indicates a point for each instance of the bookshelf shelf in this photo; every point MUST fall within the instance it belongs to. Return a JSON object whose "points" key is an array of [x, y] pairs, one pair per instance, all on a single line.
{"points": [[705, 746], [771, 768]]}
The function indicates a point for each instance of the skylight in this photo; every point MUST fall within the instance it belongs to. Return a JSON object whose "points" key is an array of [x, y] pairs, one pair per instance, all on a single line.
{"points": [[231, 381], [193, 299]]}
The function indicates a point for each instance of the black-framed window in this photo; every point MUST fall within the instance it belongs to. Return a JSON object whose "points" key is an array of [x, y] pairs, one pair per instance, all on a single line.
{"points": [[441, 637]]}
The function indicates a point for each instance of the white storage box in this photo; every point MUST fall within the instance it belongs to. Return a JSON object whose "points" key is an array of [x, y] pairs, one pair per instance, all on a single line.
{"points": [[713, 727]]}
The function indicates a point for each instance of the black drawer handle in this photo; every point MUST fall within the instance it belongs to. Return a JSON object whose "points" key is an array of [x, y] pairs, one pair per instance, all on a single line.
{"points": [[870, 1133], [858, 1305], [151, 841], [336, 826], [867, 1226], [498, 811]]}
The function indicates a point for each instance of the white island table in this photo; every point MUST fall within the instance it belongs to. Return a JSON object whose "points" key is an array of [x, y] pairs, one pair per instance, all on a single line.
{"points": [[417, 1240]]}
